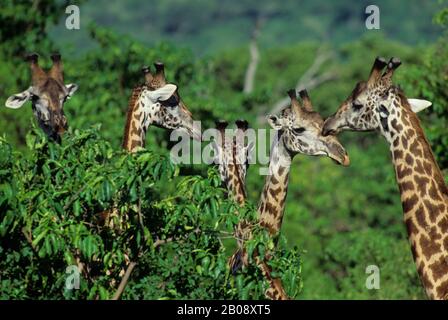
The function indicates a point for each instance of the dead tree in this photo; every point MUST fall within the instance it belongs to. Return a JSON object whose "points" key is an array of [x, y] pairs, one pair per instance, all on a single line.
{"points": [[249, 78], [309, 80]]}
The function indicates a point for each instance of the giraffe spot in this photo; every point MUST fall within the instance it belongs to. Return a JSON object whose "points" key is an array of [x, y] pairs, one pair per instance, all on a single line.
{"points": [[404, 141], [443, 225], [135, 144], [275, 192], [421, 183], [429, 246], [409, 159], [428, 167], [433, 192], [442, 290], [398, 154], [274, 180], [427, 283], [281, 170], [396, 142], [406, 186], [411, 227], [134, 130], [420, 217], [439, 268], [445, 246], [404, 119], [282, 202], [419, 167], [410, 132], [433, 210], [268, 227], [434, 234], [269, 208], [403, 172], [415, 148], [409, 203], [397, 127]]}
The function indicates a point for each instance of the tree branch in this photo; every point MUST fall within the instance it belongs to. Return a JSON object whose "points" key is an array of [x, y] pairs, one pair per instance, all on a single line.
{"points": [[309, 80], [251, 70], [124, 280]]}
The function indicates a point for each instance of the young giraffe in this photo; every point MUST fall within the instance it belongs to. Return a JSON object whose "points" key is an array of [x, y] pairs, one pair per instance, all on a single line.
{"points": [[155, 103], [379, 105], [47, 94], [232, 157]]}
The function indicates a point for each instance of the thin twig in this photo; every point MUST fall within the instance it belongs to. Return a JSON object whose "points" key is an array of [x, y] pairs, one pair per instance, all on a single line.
{"points": [[309, 80]]}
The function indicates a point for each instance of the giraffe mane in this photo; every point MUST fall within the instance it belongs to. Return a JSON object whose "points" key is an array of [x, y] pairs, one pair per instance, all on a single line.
{"points": [[136, 93]]}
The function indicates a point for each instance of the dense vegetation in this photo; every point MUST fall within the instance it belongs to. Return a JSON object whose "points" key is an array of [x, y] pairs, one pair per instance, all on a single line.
{"points": [[341, 220]]}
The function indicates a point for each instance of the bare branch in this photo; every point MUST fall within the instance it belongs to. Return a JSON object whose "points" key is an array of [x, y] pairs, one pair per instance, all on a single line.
{"points": [[124, 280], [309, 80], [251, 70]]}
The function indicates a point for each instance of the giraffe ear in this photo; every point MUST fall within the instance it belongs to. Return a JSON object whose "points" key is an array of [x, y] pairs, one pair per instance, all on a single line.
{"points": [[71, 88], [163, 93], [17, 100], [418, 105]]}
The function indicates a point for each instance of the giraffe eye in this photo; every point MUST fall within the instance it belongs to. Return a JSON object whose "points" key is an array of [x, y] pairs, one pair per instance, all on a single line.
{"points": [[357, 106], [298, 130]]}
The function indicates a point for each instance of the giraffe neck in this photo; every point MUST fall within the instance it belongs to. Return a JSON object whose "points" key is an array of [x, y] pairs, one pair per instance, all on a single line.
{"points": [[424, 198], [134, 132], [272, 202], [233, 174]]}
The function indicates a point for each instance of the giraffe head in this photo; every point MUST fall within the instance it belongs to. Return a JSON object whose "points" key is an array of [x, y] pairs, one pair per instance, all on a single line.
{"points": [[162, 105], [47, 94], [232, 154], [369, 106], [300, 128]]}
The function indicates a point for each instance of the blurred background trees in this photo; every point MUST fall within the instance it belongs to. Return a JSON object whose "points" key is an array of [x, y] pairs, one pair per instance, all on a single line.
{"points": [[341, 219]]}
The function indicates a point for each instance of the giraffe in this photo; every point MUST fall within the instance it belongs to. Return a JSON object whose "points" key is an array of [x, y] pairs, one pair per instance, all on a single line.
{"points": [[153, 102], [299, 130], [379, 105], [158, 103], [232, 158], [47, 94]]}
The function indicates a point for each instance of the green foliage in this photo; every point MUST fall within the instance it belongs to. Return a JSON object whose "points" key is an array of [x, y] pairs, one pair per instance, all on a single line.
{"points": [[53, 199], [53, 205]]}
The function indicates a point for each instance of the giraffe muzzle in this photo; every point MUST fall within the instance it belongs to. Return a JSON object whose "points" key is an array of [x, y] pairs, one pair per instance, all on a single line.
{"points": [[338, 154]]}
